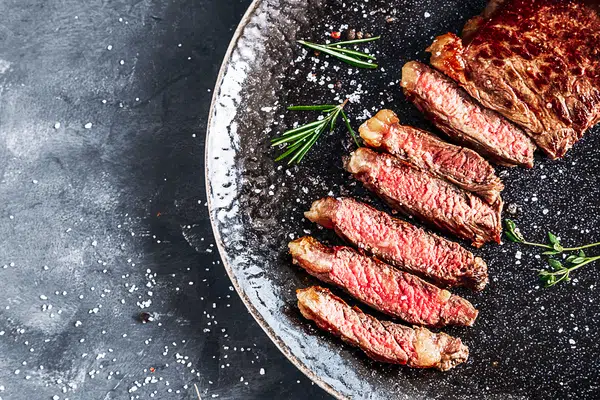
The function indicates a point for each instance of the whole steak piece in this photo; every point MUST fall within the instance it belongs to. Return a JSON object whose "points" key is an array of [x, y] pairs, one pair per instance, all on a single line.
{"points": [[428, 198], [399, 243], [381, 286], [463, 120], [459, 165], [535, 62], [381, 340]]}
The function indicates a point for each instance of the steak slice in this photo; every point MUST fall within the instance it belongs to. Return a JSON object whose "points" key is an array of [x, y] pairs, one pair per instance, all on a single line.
{"points": [[535, 62], [399, 243], [381, 286], [381, 340], [454, 112], [459, 165], [426, 197]]}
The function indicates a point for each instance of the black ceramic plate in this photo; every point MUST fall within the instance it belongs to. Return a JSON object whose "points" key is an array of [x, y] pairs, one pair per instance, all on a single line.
{"points": [[529, 342]]}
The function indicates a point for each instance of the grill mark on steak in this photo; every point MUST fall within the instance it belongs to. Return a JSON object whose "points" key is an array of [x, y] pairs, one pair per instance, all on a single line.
{"points": [[426, 197], [381, 286], [459, 165], [381, 340], [399, 243], [536, 63], [454, 112]]}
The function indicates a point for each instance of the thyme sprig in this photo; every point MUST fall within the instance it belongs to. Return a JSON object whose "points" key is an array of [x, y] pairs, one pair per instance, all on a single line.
{"points": [[558, 271], [554, 246], [299, 141], [349, 56]]}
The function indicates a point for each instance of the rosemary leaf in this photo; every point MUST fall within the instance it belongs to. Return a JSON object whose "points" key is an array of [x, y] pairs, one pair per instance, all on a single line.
{"points": [[351, 57], [356, 41], [323, 107]]}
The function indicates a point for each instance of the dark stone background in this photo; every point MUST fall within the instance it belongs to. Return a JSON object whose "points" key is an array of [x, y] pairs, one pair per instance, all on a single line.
{"points": [[97, 222]]}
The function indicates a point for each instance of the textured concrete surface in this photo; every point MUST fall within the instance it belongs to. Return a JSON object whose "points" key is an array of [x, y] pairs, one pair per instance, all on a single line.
{"points": [[103, 108]]}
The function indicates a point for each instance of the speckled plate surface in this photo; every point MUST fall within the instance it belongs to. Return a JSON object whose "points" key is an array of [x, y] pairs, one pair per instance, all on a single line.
{"points": [[528, 343]]}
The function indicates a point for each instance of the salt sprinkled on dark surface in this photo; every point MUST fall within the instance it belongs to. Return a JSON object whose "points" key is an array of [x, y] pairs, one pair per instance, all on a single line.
{"points": [[104, 213]]}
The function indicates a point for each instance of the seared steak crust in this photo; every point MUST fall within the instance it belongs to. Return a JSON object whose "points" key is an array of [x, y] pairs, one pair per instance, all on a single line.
{"points": [[399, 243], [381, 286], [535, 62], [381, 340], [459, 165], [454, 112], [426, 197]]}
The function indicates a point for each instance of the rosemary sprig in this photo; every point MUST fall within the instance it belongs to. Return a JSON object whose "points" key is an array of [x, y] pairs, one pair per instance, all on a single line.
{"points": [[349, 56], [299, 141], [558, 271]]}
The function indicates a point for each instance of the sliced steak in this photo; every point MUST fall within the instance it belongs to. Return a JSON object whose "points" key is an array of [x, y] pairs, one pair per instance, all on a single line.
{"points": [[426, 197], [381, 286], [535, 62], [454, 112], [381, 340], [399, 243], [459, 165]]}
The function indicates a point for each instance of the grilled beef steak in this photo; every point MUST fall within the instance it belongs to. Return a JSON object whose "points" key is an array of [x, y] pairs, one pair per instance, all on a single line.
{"points": [[459, 165], [381, 286], [381, 340], [454, 112], [400, 243], [535, 62], [426, 197]]}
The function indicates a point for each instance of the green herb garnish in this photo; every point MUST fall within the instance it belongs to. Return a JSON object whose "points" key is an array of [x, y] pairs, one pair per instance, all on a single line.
{"points": [[299, 141], [558, 271], [349, 56], [554, 247]]}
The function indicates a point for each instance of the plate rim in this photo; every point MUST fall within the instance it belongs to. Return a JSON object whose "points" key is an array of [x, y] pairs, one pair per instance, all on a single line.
{"points": [[275, 339]]}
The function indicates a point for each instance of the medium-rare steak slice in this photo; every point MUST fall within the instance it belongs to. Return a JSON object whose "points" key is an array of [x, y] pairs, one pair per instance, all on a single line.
{"points": [[535, 62], [381, 340], [459, 165], [454, 112], [426, 197], [381, 286], [399, 243]]}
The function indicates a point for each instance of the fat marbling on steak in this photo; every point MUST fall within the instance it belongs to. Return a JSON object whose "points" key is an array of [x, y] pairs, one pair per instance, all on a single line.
{"points": [[431, 199], [459, 165], [454, 112], [381, 340], [399, 243], [535, 62], [381, 286]]}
